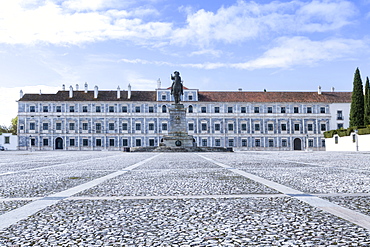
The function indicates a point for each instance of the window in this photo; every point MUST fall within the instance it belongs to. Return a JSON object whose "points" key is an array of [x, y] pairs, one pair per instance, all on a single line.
{"points": [[339, 126], [137, 108], [138, 126], [257, 127], [323, 127], [164, 126], [257, 142], [84, 126], [98, 142], [190, 97], [204, 142], [151, 109], [97, 109], [124, 126], [217, 127], [7, 140], [230, 127], [164, 97], [230, 109], [217, 142], [45, 142], [21, 127], [244, 127], [191, 127], [124, 142], [111, 126], [32, 108], [296, 127], [336, 140], [71, 142], [269, 109], [309, 109], [309, 127], [71, 108], [124, 108], [310, 143], [85, 142], [33, 142], [164, 109], [98, 127], [283, 109], [151, 142], [111, 142], [84, 108], [244, 142], [203, 109], [111, 109], [32, 126], [138, 142], [256, 109], [151, 126], [231, 142], [283, 127], [45, 108], [243, 109], [270, 127], [45, 126], [217, 109], [204, 127], [323, 143], [190, 109], [296, 109], [283, 142], [271, 143], [58, 126], [71, 126], [322, 110], [59, 108], [339, 115]]}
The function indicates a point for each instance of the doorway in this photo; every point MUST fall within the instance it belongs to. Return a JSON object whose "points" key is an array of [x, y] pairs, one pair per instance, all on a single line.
{"points": [[297, 144], [59, 143]]}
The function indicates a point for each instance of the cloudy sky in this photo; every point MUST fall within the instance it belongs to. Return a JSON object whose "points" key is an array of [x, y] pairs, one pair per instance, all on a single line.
{"points": [[215, 44]]}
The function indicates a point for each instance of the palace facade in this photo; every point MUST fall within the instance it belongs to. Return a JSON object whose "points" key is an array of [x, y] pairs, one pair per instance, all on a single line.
{"points": [[112, 120]]}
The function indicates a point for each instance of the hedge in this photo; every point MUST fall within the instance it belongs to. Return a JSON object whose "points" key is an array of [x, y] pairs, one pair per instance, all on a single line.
{"points": [[362, 130]]}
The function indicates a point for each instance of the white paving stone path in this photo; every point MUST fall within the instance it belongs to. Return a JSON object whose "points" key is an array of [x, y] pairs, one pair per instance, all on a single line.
{"points": [[18, 214], [344, 213]]}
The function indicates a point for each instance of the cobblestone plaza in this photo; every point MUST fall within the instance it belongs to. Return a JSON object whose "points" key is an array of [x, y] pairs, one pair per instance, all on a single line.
{"points": [[111, 198]]}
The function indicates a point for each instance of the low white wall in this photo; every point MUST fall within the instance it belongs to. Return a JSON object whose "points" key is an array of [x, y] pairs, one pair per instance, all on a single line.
{"points": [[13, 141], [346, 143]]}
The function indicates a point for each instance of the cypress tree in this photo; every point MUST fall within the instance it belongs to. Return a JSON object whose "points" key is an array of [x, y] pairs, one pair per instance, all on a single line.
{"points": [[356, 115], [367, 102]]}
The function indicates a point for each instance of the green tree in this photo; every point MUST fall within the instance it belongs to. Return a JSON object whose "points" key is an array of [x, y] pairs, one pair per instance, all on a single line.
{"points": [[3, 129], [367, 102], [356, 115], [14, 126]]}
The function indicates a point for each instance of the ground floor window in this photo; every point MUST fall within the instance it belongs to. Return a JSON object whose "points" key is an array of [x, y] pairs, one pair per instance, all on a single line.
{"points": [[257, 142], [151, 142], [72, 142], [204, 142], [310, 143], [323, 143], [284, 143], [111, 142], [217, 142], [98, 142], [231, 142], [85, 142], [138, 142], [124, 142], [244, 142], [271, 143], [45, 142]]}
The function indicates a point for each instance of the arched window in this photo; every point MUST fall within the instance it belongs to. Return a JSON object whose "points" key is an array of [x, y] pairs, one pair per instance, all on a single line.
{"points": [[190, 109], [164, 109]]}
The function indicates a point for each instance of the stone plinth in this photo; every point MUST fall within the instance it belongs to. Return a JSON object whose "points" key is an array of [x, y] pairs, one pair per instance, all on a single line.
{"points": [[177, 129]]}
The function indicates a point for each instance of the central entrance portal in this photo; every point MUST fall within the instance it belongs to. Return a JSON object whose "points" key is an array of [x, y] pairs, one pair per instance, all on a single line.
{"points": [[59, 143], [297, 144]]}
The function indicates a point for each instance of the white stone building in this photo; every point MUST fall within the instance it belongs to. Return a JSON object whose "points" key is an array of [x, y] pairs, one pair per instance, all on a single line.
{"points": [[112, 120], [9, 141], [353, 142]]}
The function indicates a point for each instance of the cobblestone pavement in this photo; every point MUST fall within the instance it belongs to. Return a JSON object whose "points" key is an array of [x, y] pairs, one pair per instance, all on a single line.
{"points": [[184, 199]]}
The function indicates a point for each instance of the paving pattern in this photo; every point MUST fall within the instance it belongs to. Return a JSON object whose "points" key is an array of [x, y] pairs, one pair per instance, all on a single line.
{"points": [[184, 199]]}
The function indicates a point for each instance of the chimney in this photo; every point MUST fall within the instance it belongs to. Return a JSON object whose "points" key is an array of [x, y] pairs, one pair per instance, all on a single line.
{"points": [[129, 92], [159, 83], [64, 87], [95, 92], [40, 92], [70, 91], [85, 87], [319, 90], [21, 94], [332, 89], [118, 93], [77, 87]]}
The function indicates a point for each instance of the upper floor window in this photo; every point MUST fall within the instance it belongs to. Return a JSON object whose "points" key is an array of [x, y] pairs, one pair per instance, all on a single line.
{"points": [[32, 108], [204, 126], [151, 109], [84, 126], [124, 108], [323, 127], [45, 126], [270, 127], [71, 108], [269, 109], [191, 126], [322, 110], [309, 109], [98, 127], [164, 126], [217, 109], [339, 126], [97, 108], [58, 126], [190, 109], [45, 108], [164, 97], [217, 127], [243, 109], [190, 97], [296, 127], [296, 109], [283, 109], [309, 127], [257, 127], [283, 127], [339, 115], [256, 109], [164, 109], [230, 109], [137, 108], [111, 126], [203, 109], [138, 126], [59, 108], [244, 127], [151, 126], [84, 108], [124, 126], [111, 108], [71, 126], [230, 127]]}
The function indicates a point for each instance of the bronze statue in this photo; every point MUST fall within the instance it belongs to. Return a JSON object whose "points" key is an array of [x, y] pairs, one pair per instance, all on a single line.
{"points": [[176, 88]]}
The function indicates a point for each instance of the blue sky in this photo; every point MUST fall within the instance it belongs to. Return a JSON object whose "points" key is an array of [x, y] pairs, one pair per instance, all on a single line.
{"points": [[216, 45]]}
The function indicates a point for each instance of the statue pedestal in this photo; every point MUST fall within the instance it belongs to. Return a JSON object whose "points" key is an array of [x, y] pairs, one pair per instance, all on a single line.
{"points": [[177, 130]]}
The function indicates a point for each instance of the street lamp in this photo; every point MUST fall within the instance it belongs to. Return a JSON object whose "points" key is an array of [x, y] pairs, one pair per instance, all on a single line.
{"points": [[30, 144]]}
